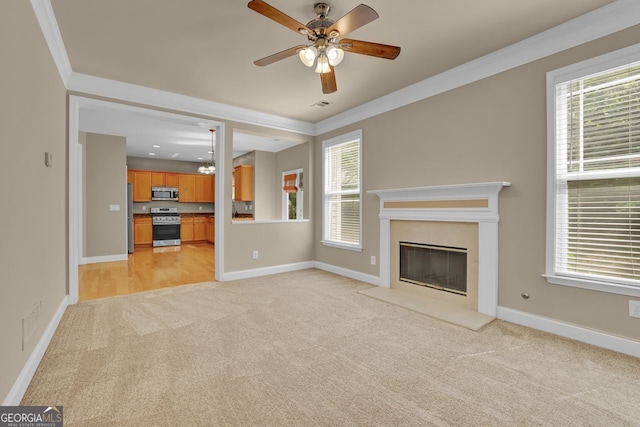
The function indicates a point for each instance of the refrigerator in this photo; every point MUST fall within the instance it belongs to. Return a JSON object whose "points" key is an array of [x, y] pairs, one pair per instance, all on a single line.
{"points": [[130, 218]]}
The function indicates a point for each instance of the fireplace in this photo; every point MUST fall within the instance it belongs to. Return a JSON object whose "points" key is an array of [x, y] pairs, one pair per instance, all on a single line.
{"points": [[434, 266], [454, 216]]}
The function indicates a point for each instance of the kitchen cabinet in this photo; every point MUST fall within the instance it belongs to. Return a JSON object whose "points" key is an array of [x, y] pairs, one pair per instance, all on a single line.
{"points": [[142, 231], [158, 179], [171, 179], [210, 230], [186, 187], [186, 229], [199, 228], [243, 183], [204, 188], [193, 229], [141, 186], [129, 176]]}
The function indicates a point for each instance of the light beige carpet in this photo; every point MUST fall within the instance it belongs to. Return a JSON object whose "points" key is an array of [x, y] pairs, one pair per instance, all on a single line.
{"points": [[306, 349]]}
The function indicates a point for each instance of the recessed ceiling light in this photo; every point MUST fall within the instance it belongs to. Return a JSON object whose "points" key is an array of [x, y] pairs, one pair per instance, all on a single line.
{"points": [[210, 152], [156, 146], [200, 158], [152, 154]]}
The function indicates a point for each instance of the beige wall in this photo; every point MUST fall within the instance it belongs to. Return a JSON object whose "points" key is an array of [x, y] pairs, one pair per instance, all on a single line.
{"points": [[491, 130], [105, 184], [162, 165], [33, 251], [264, 189], [276, 243]]}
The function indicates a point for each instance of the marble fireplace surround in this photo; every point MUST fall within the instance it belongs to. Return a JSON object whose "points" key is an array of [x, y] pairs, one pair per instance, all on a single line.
{"points": [[477, 203]]}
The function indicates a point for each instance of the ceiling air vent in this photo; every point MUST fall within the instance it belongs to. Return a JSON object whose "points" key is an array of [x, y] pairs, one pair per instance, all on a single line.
{"points": [[321, 104]]}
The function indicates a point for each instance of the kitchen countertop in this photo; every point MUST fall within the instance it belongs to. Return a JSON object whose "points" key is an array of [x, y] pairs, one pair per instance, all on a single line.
{"points": [[197, 214], [182, 215]]}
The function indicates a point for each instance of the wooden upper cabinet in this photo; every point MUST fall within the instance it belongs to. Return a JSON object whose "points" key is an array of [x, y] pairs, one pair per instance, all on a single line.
{"points": [[243, 178], [129, 176], [141, 186], [186, 187], [171, 179], [157, 179], [204, 188]]}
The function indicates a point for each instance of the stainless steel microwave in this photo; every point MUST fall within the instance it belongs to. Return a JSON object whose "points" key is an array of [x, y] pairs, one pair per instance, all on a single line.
{"points": [[164, 193]]}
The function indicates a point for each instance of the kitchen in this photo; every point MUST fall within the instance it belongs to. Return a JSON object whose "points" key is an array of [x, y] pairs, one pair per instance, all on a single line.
{"points": [[110, 161], [169, 208]]}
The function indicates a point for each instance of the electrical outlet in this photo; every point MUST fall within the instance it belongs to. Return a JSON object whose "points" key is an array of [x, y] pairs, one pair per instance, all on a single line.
{"points": [[634, 308], [255, 254], [373, 260]]}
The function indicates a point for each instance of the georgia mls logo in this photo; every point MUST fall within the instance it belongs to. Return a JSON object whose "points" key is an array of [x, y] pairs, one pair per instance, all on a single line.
{"points": [[31, 416]]}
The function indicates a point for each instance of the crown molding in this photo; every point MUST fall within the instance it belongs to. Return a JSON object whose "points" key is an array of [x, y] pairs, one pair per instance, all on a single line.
{"points": [[614, 17], [97, 86], [49, 26]]}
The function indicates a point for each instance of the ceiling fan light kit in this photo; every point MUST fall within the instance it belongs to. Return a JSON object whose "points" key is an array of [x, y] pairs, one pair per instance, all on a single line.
{"points": [[325, 51], [308, 55]]}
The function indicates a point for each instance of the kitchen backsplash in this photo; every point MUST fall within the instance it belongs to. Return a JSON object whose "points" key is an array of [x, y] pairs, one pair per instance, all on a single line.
{"points": [[139, 207]]}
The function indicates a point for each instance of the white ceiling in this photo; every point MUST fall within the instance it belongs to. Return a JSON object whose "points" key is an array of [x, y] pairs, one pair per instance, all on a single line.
{"points": [[170, 136], [206, 48]]}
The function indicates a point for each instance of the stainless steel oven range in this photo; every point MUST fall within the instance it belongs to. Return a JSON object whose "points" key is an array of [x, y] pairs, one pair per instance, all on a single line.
{"points": [[166, 226]]}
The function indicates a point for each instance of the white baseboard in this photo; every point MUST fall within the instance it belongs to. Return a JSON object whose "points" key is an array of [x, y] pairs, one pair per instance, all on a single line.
{"points": [[20, 386], [352, 274], [105, 258], [265, 271], [578, 333]]}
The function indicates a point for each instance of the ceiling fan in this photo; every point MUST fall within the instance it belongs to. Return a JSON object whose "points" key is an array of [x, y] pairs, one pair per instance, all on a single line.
{"points": [[325, 50]]}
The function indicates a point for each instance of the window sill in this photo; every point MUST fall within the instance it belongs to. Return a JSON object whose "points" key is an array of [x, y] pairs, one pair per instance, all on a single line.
{"points": [[341, 246], [594, 285]]}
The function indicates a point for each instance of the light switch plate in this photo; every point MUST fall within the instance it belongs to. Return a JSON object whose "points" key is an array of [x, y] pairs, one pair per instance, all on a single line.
{"points": [[114, 208]]}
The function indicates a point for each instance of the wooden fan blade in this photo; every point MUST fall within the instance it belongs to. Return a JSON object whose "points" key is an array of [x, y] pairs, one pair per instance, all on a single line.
{"points": [[279, 56], [372, 49], [280, 17], [328, 81], [359, 16]]}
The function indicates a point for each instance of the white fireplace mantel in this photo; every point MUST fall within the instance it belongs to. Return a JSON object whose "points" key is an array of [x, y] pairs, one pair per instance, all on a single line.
{"points": [[457, 205]]}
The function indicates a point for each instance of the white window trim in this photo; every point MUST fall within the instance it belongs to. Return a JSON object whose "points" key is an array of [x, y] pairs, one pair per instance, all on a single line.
{"points": [[299, 200], [325, 144], [601, 63]]}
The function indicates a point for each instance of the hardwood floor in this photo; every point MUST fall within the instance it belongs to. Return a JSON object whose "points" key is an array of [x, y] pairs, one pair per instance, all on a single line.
{"points": [[148, 269]]}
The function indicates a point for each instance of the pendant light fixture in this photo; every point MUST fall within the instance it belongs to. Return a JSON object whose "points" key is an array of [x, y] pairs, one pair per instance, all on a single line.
{"points": [[209, 168]]}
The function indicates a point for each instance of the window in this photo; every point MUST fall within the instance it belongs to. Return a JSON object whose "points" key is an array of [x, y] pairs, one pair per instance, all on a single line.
{"points": [[292, 195], [341, 210], [594, 180]]}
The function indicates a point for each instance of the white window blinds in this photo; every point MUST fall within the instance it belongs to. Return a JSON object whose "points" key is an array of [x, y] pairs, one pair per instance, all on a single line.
{"points": [[598, 176], [341, 209]]}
